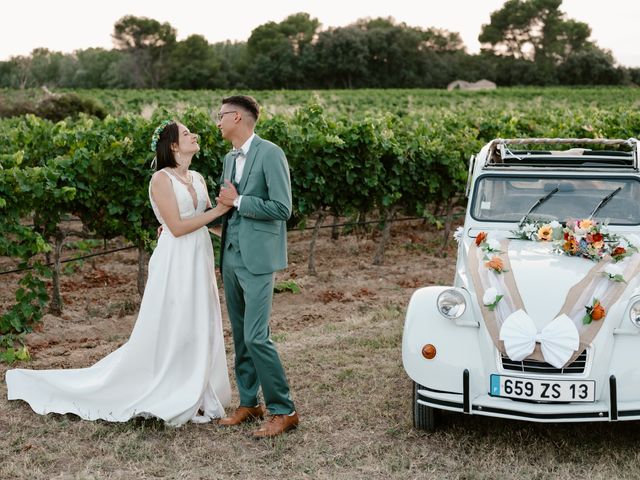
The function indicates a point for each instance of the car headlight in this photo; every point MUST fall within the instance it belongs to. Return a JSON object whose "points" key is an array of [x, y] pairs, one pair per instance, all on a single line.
{"points": [[634, 313], [451, 304]]}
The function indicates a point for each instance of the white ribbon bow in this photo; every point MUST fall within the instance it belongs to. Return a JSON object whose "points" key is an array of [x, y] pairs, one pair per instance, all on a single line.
{"points": [[558, 340]]}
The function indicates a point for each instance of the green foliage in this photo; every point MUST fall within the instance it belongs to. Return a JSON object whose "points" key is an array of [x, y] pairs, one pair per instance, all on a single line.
{"points": [[59, 107], [146, 44], [12, 354], [287, 286], [537, 37], [524, 44], [55, 107], [534, 29]]}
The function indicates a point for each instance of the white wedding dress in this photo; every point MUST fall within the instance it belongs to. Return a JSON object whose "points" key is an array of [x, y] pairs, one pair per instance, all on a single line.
{"points": [[174, 364]]}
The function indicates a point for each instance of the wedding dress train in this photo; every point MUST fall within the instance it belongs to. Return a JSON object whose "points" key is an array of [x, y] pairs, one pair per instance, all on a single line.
{"points": [[174, 364]]}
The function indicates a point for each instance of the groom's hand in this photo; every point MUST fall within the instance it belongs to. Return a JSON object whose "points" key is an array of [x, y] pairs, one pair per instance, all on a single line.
{"points": [[228, 194]]}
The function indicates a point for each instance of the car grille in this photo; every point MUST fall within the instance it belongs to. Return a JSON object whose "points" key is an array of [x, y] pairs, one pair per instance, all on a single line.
{"points": [[535, 366]]}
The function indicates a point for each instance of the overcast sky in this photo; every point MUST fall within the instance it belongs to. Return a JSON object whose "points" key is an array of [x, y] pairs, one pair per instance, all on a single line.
{"points": [[66, 25]]}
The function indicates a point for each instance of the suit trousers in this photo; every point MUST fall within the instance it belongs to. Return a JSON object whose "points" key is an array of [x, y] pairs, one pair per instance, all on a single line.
{"points": [[257, 363]]}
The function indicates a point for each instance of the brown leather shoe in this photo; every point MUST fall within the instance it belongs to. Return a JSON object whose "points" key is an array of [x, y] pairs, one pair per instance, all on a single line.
{"points": [[244, 414], [277, 425]]}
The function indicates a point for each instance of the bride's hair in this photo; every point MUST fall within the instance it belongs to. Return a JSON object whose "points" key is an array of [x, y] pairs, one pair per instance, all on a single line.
{"points": [[164, 155]]}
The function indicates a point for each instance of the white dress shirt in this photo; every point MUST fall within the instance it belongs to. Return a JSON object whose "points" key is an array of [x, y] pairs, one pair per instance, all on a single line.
{"points": [[240, 161]]}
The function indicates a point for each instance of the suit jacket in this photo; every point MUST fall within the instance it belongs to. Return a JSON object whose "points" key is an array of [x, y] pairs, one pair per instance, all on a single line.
{"points": [[265, 187]]}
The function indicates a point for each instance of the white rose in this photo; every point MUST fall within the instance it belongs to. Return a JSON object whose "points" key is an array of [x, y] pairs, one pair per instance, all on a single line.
{"points": [[634, 240], [457, 235], [554, 224], [490, 296], [613, 269], [493, 244]]}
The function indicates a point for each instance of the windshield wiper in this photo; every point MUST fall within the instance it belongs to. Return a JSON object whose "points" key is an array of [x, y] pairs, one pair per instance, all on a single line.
{"points": [[604, 201], [539, 202]]}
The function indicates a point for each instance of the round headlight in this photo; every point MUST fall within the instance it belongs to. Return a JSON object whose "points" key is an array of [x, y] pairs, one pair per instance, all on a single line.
{"points": [[451, 304], [634, 313]]}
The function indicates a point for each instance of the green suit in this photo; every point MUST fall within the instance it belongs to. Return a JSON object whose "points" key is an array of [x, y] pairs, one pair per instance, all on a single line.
{"points": [[254, 245]]}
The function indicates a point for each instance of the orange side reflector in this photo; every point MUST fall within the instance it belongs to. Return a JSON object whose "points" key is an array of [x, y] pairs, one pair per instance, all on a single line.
{"points": [[428, 351]]}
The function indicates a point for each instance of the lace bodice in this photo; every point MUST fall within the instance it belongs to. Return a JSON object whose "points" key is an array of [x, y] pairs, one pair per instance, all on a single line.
{"points": [[184, 198]]}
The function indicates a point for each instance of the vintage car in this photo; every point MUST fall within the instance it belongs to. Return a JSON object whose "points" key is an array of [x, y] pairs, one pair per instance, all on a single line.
{"points": [[542, 322]]}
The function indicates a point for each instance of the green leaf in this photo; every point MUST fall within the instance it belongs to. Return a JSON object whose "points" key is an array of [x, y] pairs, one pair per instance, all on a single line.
{"points": [[287, 285], [8, 355], [15, 322], [22, 354]]}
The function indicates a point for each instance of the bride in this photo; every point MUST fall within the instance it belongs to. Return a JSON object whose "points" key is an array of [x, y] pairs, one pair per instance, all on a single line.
{"points": [[174, 365]]}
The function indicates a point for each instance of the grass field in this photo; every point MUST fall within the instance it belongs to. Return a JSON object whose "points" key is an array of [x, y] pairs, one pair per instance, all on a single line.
{"points": [[340, 340]]}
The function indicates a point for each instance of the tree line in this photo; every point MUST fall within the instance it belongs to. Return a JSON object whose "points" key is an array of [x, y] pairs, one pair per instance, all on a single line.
{"points": [[526, 42]]}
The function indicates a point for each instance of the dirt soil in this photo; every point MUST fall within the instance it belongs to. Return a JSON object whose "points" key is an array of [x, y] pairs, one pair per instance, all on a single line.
{"points": [[101, 301], [340, 341]]}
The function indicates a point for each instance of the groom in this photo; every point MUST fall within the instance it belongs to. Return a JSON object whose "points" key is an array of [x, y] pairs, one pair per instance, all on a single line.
{"points": [[254, 245]]}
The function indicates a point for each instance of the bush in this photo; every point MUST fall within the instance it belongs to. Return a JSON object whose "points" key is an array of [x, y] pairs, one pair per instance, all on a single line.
{"points": [[59, 107], [54, 107], [590, 67], [15, 108], [634, 75]]}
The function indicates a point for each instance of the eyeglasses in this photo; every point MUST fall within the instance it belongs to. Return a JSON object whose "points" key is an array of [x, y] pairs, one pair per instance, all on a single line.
{"points": [[222, 114]]}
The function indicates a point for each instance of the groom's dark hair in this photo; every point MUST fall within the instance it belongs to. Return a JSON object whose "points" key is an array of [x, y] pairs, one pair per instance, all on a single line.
{"points": [[245, 102]]}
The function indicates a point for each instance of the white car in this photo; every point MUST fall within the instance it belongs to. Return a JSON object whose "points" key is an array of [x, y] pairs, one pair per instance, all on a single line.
{"points": [[542, 322]]}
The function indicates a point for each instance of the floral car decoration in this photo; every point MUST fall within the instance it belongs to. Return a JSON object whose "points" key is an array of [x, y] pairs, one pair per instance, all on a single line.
{"points": [[580, 238]]}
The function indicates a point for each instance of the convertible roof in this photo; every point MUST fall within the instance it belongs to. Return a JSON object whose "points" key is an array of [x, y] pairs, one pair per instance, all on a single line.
{"points": [[508, 153]]}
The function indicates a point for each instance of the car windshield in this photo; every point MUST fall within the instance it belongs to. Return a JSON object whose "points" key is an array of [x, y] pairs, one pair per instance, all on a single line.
{"points": [[508, 198]]}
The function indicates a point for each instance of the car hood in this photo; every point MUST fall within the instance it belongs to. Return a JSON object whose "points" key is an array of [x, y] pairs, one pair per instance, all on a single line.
{"points": [[544, 278]]}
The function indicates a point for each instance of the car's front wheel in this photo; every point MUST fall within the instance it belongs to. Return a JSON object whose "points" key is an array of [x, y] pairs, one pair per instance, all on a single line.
{"points": [[424, 417]]}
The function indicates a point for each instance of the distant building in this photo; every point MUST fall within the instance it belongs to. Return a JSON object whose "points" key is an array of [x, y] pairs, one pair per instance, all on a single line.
{"points": [[479, 85]]}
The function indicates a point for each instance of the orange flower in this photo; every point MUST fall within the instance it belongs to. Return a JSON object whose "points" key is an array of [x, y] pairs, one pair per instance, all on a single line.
{"points": [[595, 311], [618, 251], [545, 233], [495, 264], [570, 246], [585, 224], [598, 312], [482, 236]]}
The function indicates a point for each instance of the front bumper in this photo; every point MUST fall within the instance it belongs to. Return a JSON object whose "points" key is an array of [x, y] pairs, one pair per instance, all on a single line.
{"points": [[601, 410]]}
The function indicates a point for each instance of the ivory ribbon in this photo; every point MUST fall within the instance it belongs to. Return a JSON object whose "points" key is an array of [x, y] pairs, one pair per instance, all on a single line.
{"points": [[558, 340], [593, 285]]}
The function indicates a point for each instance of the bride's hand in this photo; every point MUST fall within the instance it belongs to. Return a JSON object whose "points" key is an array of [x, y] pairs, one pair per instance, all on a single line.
{"points": [[221, 209]]}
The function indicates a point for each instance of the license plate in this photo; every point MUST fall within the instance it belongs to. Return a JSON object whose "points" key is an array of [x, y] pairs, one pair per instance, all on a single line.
{"points": [[543, 390]]}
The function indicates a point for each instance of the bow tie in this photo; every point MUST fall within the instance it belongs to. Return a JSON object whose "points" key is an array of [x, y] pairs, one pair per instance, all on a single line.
{"points": [[236, 152], [558, 340]]}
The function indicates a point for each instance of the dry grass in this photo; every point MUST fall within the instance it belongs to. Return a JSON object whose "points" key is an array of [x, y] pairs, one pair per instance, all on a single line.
{"points": [[343, 361]]}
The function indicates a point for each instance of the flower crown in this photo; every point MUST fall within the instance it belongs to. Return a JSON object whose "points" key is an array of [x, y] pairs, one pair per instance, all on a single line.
{"points": [[157, 132]]}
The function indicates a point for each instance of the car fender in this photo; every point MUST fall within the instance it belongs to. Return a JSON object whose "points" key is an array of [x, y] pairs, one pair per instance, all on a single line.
{"points": [[456, 342]]}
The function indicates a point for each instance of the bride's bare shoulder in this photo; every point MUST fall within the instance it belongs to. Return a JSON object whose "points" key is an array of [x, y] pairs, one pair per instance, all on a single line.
{"points": [[160, 180], [160, 176]]}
